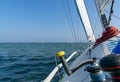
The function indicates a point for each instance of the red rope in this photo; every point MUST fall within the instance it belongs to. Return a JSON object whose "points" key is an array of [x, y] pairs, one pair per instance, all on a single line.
{"points": [[117, 77], [113, 68]]}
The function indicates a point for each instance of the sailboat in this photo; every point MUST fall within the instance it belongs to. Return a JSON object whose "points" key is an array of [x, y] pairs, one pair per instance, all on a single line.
{"points": [[78, 72]]}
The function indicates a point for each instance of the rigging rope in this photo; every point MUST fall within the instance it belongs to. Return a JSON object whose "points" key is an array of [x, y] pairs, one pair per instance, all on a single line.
{"points": [[69, 18], [111, 12], [72, 25], [113, 15], [95, 26]]}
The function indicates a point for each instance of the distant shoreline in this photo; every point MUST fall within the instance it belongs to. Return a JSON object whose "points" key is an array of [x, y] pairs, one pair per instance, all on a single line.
{"points": [[43, 42]]}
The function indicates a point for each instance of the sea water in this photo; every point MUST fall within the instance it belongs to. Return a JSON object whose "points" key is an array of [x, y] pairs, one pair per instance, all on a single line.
{"points": [[31, 62]]}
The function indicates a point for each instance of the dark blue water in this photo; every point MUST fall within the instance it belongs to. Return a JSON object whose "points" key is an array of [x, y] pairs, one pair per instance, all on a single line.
{"points": [[31, 62]]}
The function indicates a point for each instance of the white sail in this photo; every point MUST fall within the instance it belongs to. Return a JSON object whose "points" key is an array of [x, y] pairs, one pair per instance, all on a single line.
{"points": [[85, 19], [101, 4]]}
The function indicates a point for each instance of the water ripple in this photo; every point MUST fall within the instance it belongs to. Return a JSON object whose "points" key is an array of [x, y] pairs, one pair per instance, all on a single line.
{"points": [[30, 62]]}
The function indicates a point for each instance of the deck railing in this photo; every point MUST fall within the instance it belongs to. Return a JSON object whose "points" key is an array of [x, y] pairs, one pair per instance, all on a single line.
{"points": [[54, 71]]}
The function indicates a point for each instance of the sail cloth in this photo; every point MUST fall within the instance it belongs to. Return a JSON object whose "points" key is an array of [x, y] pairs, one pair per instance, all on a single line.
{"points": [[82, 11], [102, 4]]}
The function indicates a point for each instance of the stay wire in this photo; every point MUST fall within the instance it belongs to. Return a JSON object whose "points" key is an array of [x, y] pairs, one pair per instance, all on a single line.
{"points": [[113, 15], [111, 12], [95, 27], [70, 21], [72, 25], [67, 18]]}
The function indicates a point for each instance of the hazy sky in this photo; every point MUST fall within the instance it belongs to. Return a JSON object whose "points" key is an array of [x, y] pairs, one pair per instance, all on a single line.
{"points": [[40, 20]]}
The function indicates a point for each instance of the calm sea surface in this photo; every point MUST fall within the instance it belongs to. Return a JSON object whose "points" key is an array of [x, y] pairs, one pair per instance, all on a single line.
{"points": [[31, 62]]}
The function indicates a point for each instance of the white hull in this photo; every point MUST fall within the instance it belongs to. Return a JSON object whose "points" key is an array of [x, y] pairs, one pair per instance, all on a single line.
{"points": [[81, 75]]}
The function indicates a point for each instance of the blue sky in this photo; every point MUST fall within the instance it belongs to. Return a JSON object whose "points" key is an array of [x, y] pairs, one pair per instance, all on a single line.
{"points": [[39, 20]]}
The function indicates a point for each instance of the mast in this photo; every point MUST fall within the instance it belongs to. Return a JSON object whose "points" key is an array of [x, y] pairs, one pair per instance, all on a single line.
{"points": [[81, 8]]}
